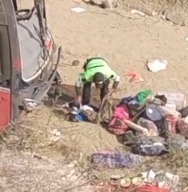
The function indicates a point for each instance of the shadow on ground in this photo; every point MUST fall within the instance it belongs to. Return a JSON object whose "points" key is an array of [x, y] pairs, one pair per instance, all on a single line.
{"points": [[120, 138], [68, 95]]}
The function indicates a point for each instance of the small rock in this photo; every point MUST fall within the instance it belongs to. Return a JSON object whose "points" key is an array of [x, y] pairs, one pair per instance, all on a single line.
{"points": [[175, 18], [75, 63], [103, 3], [134, 11]]}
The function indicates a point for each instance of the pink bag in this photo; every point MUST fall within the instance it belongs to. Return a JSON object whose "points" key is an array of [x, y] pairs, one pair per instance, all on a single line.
{"points": [[117, 125]]}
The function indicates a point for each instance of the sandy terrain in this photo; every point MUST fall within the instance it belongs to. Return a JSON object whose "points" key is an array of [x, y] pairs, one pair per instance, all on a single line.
{"points": [[127, 42]]}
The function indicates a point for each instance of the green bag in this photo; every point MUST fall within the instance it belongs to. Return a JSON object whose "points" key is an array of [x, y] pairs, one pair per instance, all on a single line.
{"points": [[142, 96]]}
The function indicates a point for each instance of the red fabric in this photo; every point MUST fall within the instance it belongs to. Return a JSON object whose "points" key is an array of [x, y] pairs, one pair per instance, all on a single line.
{"points": [[117, 125], [122, 112], [117, 129], [134, 77], [173, 120], [150, 188], [5, 107]]}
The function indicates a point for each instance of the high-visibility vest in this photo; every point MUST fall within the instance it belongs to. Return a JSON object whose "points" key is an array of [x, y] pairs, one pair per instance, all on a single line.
{"points": [[97, 65]]}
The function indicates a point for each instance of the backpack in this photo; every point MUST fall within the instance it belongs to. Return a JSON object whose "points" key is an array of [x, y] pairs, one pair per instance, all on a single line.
{"points": [[149, 146], [116, 125]]}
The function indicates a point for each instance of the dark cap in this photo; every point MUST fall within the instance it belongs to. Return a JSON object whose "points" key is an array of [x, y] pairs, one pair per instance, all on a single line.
{"points": [[98, 77]]}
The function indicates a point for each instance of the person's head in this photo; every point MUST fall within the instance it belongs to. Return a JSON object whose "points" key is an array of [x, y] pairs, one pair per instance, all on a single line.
{"points": [[98, 79]]}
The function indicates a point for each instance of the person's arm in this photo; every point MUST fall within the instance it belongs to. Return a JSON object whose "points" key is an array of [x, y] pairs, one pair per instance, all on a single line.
{"points": [[116, 79], [79, 85]]}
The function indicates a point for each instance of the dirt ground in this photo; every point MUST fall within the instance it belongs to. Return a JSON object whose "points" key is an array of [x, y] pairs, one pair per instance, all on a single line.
{"points": [[127, 41]]}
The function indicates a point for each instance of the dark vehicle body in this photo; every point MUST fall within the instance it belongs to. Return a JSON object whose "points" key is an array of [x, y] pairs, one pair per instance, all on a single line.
{"points": [[28, 59]]}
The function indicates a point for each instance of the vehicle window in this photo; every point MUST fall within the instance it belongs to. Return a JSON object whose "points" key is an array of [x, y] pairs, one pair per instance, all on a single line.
{"points": [[15, 5], [5, 57]]}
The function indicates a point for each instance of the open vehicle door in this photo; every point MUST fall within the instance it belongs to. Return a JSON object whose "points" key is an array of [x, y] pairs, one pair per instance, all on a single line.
{"points": [[28, 59]]}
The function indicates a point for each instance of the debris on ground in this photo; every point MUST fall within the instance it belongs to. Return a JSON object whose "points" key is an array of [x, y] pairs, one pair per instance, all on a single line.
{"points": [[144, 113], [159, 181], [109, 159], [157, 65], [103, 3], [175, 18], [134, 11], [150, 124], [134, 77], [175, 101], [77, 10], [56, 135], [162, 179], [75, 63], [183, 127]]}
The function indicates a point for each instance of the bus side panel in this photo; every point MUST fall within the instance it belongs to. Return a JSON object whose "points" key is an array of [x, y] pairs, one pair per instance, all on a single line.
{"points": [[5, 114], [15, 57]]}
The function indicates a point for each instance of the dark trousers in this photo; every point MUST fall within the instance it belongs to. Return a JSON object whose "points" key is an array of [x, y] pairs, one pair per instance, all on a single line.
{"points": [[87, 92]]}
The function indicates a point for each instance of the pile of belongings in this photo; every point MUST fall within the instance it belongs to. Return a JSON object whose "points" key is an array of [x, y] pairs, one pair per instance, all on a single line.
{"points": [[150, 123], [149, 181], [76, 113]]}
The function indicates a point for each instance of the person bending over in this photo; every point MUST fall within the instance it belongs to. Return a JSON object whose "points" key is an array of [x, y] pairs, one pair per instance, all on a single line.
{"points": [[96, 70]]}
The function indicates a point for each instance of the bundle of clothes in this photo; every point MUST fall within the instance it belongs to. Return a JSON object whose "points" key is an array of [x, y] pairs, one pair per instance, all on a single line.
{"points": [[167, 127], [163, 116]]}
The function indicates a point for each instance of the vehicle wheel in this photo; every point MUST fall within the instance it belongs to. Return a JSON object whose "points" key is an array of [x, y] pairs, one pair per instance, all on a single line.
{"points": [[23, 14]]}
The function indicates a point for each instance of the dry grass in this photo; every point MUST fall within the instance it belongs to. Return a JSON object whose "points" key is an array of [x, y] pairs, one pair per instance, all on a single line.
{"points": [[31, 160], [177, 6]]}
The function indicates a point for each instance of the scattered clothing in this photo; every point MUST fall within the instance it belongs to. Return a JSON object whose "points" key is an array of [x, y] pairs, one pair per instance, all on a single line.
{"points": [[154, 149], [129, 100], [150, 188], [170, 122], [79, 113], [149, 146], [152, 128], [77, 117], [134, 77], [183, 127], [117, 125], [142, 96], [162, 179], [115, 160], [177, 142], [154, 146], [184, 112]]}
